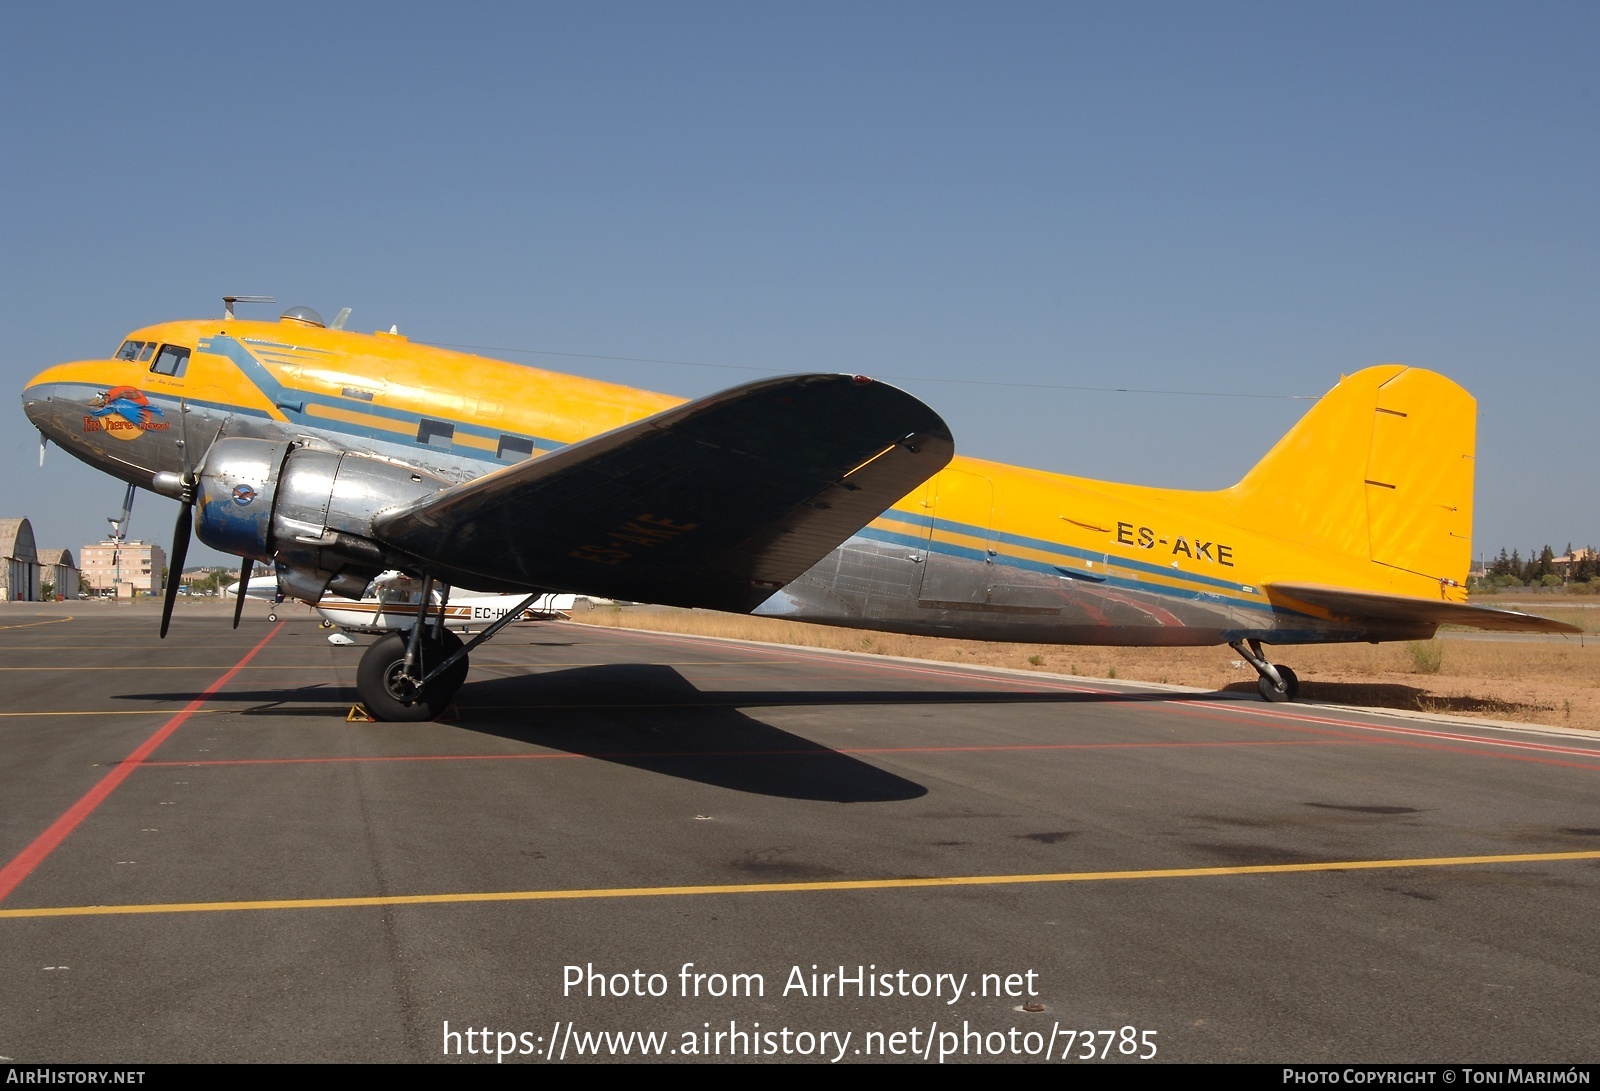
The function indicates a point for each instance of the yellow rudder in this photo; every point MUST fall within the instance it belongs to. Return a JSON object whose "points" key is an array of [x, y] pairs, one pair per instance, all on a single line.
{"points": [[1380, 469]]}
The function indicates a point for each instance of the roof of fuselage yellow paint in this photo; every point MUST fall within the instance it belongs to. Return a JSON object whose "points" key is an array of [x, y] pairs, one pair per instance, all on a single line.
{"points": [[426, 379], [1310, 511]]}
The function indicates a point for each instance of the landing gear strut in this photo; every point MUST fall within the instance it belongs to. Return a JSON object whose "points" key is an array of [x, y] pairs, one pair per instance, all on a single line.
{"points": [[411, 677], [393, 693], [1277, 683]]}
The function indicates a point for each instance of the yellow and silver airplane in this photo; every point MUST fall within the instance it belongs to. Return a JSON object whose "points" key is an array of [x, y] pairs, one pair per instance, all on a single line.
{"points": [[337, 456], [823, 498]]}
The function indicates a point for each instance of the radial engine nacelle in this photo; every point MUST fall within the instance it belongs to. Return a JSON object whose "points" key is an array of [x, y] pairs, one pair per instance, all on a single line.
{"points": [[307, 509]]}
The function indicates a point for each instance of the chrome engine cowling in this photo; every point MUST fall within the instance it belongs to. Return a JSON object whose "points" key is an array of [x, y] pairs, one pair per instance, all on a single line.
{"points": [[306, 509], [237, 490]]}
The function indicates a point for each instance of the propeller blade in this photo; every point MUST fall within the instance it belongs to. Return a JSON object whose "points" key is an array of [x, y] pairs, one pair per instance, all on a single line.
{"points": [[180, 552], [244, 588]]}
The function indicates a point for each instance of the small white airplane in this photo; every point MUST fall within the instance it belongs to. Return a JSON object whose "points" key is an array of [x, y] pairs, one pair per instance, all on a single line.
{"points": [[261, 587], [391, 606]]}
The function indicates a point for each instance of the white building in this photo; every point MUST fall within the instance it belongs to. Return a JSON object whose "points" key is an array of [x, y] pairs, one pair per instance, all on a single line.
{"points": [[122, 568]]}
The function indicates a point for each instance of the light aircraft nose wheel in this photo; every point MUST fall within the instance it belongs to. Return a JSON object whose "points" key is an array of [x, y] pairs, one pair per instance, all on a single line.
{"points": [[1270, 691], [273, 616], [327, 625], [389, 695]]}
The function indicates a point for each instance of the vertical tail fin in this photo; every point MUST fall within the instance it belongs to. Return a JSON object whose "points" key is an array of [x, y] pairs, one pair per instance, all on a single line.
{"points": [[1380, 469]]}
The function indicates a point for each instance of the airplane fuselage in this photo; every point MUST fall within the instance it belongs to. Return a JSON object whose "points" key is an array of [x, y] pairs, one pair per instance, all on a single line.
{"points": [[982, 550]]}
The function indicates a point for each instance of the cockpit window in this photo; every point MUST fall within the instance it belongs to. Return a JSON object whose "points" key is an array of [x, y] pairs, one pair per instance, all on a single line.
{"points": [[130, 350], [170, 361], [146, 352]]}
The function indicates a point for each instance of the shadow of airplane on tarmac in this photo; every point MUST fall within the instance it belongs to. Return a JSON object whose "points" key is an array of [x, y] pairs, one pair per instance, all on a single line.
{"points": [[646, 717], [650, 717]]}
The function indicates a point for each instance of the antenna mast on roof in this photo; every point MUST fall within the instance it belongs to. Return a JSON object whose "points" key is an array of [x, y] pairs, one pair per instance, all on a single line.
{"points": [[229, 300]]}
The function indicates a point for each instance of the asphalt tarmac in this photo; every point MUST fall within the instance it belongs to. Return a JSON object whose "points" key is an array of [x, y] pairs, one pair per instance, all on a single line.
{"points": [[622, 845]]}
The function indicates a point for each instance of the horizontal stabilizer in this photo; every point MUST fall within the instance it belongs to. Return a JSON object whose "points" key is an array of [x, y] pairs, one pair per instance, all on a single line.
{"points": [[1369, 605], [715, 503]]}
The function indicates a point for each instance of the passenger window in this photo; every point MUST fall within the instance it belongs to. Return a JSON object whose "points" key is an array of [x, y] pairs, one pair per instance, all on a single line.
{"points": [[171, 361], [514, 449], [130, 350], [435, 433]]}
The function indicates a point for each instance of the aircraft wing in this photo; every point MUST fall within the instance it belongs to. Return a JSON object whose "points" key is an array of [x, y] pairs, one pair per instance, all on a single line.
{"points": [[1381, 607], [715, 503]]}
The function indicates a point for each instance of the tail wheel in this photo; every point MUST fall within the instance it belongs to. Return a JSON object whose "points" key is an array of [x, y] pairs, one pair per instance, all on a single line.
{"points": [[389, 695], [1271, 691]]}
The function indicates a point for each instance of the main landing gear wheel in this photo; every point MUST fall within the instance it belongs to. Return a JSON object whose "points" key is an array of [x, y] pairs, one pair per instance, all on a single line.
{"points": [[389, 695], [1270, 691]]}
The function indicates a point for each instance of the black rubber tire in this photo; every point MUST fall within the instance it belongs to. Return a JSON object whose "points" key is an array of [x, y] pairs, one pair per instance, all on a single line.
{"points": [[1292, 679], [272, 617], [385, 658], [1289, 691], [449, 644]]}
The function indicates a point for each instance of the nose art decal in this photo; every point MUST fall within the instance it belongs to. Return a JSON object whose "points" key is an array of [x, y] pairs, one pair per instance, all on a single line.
{"points": [[125, 413]]}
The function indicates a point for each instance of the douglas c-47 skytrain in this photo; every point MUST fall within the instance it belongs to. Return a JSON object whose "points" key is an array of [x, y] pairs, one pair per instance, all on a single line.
{"points": [[825, 498]]}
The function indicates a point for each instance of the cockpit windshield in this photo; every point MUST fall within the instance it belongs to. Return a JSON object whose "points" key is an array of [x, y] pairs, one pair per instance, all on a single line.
{"points": [[171, 361], [136, 350]]}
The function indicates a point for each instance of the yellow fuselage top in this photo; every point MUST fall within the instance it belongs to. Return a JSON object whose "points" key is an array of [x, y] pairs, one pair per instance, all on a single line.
{"points": [[1371, 490]]}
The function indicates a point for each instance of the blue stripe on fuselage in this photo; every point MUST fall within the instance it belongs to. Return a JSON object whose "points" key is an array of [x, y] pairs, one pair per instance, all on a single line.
{"points": [[949, 549], [292, 403], [1045, 546]]}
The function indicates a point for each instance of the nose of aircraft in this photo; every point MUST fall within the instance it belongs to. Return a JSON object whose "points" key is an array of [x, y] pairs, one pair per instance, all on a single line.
{"points": [[56, 384], [36, 398]]}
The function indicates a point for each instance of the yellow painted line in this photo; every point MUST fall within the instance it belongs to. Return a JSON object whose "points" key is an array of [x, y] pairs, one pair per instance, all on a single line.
{"points": [[119, 712], [786, 888], [31, 624]]}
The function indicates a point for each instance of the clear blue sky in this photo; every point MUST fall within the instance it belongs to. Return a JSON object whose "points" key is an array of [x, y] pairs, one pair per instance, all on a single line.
{"points": [[1244, 198]]}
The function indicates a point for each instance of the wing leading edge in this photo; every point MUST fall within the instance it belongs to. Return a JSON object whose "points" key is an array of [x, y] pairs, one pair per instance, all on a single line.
{"points": [[1369, 605], [714, 503]]}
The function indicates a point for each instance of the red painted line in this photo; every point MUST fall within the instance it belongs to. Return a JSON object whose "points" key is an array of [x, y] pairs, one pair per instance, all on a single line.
{"points": [[850, 662], [1352, 726], [43, 845], [1194, 705], [822, 752], [1432, 733]]}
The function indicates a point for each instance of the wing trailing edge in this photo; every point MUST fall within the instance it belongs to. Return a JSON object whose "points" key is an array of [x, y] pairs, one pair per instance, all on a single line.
{"points": [[715, 503]]}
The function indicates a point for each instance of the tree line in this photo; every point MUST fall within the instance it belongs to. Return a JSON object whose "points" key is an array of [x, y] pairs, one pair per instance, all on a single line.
{"points": [[1541, 569]]}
